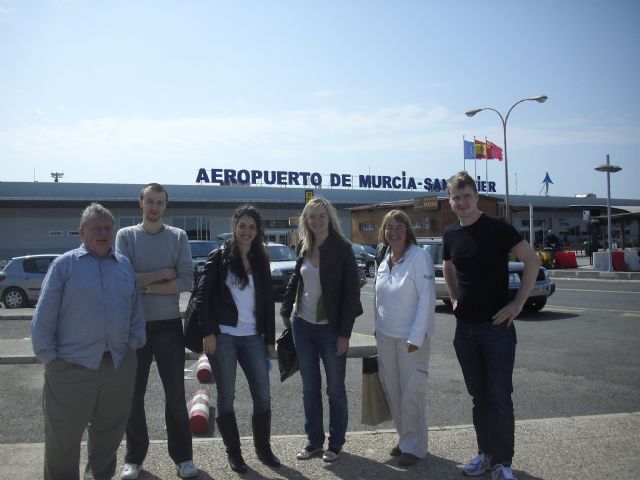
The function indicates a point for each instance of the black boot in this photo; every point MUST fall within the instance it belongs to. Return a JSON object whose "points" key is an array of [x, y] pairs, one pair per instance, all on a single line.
{"points": [[228, 428], [261, 424]]}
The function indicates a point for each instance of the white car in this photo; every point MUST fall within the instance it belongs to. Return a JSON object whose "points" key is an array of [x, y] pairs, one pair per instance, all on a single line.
{"points": [[21, 279], [283, 263], [542, 290]]}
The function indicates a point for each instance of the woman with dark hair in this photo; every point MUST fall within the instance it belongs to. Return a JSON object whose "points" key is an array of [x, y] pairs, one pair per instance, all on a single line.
{"points": [[238, 314], [324, 297], [405, 322]]}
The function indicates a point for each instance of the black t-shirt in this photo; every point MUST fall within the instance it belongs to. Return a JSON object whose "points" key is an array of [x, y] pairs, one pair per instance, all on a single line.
{"points": [[480, 253]]}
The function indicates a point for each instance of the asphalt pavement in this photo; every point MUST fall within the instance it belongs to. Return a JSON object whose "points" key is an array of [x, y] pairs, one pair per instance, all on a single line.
{"points": [[573, 447], [586, 448]]}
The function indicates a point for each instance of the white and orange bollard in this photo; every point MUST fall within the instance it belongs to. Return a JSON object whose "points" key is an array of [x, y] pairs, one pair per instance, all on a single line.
{"points": [[203, 372], [199, 412]]}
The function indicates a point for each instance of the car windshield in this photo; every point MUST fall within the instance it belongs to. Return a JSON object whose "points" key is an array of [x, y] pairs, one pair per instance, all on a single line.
{"points": [[435, 250], [359, 249], [202, 249], [369, 249], [280, 253]]}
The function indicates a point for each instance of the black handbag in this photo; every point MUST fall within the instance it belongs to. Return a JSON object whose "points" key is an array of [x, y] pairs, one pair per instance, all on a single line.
{"points": [[287, 358], [193, 323]]}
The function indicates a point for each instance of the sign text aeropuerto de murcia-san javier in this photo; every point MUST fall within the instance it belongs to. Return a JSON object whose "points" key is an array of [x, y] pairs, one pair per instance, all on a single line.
{"points": [[229, 176]]}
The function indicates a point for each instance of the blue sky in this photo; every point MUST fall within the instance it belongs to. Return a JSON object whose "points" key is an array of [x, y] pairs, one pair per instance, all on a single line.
{"points": [[135, 91]]}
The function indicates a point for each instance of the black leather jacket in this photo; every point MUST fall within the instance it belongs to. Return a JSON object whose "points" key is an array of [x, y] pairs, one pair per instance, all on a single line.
{"points": [[217, 305], [340, 283]]}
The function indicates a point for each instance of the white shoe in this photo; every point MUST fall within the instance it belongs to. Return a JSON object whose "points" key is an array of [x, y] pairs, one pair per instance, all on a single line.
{"points": [[477, 466], [330, 455], [186, 469], [131, 471], [500, 472], [308, 452]]}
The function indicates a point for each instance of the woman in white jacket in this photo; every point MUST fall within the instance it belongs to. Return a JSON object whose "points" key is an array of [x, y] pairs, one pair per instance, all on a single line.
{"points": [[405, 322]]}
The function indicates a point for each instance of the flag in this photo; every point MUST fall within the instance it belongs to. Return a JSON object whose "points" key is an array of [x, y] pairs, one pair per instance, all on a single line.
{"points": [[469, 150], [493, 151], [481, 149]]}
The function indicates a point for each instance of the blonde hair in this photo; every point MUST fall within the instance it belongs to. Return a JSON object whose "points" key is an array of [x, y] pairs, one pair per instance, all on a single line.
{"points": [[398, 216], [306, 235]]}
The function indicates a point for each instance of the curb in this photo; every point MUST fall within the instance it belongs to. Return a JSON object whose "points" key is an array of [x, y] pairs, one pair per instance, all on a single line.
{"points": [[573, 273], [357, 351]]}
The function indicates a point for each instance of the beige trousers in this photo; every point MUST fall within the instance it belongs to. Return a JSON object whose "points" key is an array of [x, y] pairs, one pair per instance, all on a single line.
{"points": [[404, 378]]}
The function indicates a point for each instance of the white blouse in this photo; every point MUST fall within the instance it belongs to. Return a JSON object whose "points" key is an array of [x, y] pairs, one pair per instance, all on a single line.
{"points": [[405, 297], [245, 301]]}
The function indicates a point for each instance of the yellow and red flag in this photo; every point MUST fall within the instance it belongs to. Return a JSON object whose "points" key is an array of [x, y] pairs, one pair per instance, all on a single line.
{"points": [[481, 149]]}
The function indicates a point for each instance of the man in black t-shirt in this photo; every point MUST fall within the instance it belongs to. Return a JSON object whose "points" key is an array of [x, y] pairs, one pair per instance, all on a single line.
{"points": [[476, 271]]}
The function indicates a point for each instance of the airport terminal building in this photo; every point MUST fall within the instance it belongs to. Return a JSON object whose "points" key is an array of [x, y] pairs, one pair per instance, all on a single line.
{"points": [[43, 217]]}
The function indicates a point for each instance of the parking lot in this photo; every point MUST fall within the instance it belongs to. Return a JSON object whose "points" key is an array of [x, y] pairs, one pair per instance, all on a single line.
{"points": [[578, 356]]}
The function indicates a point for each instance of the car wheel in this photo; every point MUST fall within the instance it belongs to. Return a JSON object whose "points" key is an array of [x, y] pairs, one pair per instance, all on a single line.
{"points": [[371, 271], [363, 278], [14, 297], [536, 306]]}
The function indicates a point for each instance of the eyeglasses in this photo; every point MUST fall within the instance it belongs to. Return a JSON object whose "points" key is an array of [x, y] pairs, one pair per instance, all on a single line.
{"points": [[397, 228]]}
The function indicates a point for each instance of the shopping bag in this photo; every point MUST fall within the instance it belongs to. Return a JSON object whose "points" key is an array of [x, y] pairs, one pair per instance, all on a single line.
{"points": [[287, 358], [375, 409], [193, 322]]}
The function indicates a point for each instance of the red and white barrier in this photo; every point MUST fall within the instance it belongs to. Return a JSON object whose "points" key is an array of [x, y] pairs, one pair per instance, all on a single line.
{"points": [[204, 369], [199, 412]]}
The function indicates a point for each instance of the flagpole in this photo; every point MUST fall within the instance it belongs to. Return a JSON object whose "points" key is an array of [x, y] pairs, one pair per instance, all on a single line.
{"points": [[464, 160], [486, 166], [475, 160]]}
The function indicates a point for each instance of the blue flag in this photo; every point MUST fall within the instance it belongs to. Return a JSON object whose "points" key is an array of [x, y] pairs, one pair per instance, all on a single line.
{"points": [[469, 150]]}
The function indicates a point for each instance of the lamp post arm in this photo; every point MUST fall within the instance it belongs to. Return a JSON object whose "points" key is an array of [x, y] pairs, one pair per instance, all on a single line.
{"points": [[513, 106], [507, 208]]}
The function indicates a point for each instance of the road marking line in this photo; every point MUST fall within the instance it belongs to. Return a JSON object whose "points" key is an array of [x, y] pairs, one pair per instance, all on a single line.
{"points": [[631, 314], [605, 280], [585, 309], [563, 309], [584, 290]]}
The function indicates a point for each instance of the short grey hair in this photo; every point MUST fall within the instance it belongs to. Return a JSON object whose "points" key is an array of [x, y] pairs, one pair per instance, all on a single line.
{"points": [[94, 210]]}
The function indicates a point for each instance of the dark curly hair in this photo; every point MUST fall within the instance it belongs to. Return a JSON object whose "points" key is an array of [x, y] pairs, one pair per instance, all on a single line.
{"points": [[258, 258]]}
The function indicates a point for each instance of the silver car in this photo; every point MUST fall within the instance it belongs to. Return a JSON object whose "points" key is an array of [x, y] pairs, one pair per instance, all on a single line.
{"points": [[21, 279], [542, 290], [282, 261]]}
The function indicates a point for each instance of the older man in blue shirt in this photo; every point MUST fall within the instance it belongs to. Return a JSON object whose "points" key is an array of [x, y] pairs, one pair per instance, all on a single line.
{"points": [[87, 325]]}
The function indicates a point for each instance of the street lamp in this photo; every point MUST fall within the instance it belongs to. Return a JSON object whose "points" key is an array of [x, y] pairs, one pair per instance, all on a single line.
{"points": [[471, 113], [609, 169]]}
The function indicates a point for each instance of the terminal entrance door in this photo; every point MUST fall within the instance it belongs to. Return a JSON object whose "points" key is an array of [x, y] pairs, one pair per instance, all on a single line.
{"points": [[278, 236]]}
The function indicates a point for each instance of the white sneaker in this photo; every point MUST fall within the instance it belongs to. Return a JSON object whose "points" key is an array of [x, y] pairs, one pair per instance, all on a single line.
{"points": [[500, 472], [330, 455], [186, 469], [308, 452], [477, 466], [131, 471]]}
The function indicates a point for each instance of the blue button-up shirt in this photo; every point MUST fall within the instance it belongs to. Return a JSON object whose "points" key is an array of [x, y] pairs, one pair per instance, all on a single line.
{"points": [[87, 305]]}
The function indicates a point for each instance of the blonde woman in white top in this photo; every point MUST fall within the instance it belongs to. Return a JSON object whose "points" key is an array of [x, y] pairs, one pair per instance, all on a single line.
{"points": [[405, 323]]}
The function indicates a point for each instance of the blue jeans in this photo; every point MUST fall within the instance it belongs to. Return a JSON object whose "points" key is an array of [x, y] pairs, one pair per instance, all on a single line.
{"points": [[165, 342], [486, 353], [314, 342], [251, 353]]}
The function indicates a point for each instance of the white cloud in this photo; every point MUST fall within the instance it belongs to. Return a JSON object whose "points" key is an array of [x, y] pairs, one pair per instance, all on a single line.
{"points": [[6, 14], [383, 138], [325, 93]]}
